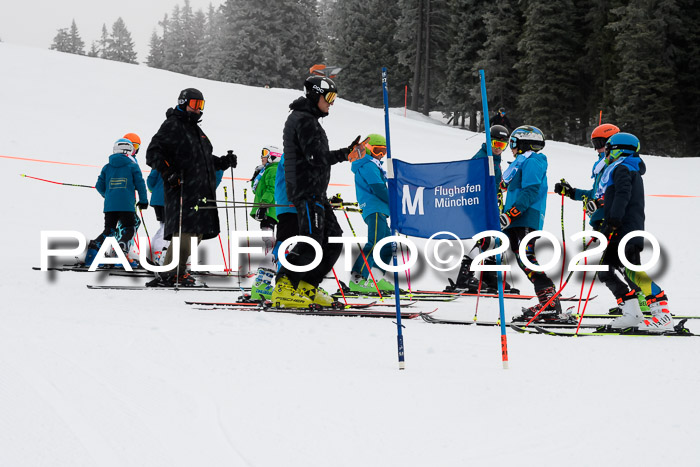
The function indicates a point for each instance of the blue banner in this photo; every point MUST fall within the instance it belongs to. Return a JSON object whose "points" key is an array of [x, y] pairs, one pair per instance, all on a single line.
{"points": [[457, 197]]}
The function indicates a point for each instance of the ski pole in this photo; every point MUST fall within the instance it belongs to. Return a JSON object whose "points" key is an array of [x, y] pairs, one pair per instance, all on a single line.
{"points": [[478, 293], [583, 280], [364, 258], [563, 238], [57, 183], [239, 203], [221, 244], [179, 236], [247, 238], [228, 232], [564, 285], [235, 222], [143, 222], [342, 292]]}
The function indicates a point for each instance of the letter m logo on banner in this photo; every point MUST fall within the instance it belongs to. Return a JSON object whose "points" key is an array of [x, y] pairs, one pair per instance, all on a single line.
{"points": [[457, 197]]}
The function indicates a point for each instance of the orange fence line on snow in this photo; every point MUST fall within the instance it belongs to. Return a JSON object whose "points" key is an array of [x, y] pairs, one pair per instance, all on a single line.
{"points": [[145, 171]]}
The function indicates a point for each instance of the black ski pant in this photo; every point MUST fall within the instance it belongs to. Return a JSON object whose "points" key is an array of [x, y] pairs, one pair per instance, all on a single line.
{"points": [[538, 278], [128, 221], [615, 278], [315, 219]]}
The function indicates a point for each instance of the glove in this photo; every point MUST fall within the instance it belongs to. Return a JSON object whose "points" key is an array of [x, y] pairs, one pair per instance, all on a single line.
{"points": [[260, 214], [611, 227], [336, 199], [507, 217], [143, 206], [357, 149], [499, 197], [592, 205], [172, 179], [231, 158], [563, 188], [484, 243]]}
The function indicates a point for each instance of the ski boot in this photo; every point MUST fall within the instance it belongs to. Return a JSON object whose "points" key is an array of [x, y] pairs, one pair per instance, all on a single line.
{"points": [[92, 249], [661, 320], [359, 284], [465, 282], [134, 263], [551, 314], [285, 295], [316, 294], [631, 313], [262, 286]]}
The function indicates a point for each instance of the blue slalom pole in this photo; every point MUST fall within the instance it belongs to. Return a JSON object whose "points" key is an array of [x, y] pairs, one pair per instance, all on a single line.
{"points": [[392, 196], [492, 173]]}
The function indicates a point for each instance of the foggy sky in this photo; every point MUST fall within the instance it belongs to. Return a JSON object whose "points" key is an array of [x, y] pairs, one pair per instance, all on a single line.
{"points": [[35, 22]]}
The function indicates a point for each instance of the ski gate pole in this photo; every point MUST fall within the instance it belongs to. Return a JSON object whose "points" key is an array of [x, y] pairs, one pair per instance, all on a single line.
{"points": [[228, 235], [57, 183], [392, 197], [492, 173], [143, 222], [247, 238]]}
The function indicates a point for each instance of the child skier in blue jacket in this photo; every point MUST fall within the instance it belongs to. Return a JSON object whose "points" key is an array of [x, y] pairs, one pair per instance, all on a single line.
{"points": [[117, 182], [524, 212], [373, 199]]}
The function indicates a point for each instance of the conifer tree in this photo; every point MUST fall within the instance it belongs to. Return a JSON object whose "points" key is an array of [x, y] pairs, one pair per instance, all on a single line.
{"points": [[156, 57], [103, 42], [548, 47], [61, 42], [120, 47], [362, 42], [77, 46], [209, 48], [94, 50], [644, 87]]}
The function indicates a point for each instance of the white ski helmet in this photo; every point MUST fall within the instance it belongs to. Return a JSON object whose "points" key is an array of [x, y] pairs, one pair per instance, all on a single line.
{"points": [[123, 146]]}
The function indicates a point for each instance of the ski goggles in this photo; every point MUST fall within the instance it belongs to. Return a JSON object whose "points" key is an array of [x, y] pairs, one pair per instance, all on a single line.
{"points": [[599, 143], [330, 97], [267, 153], [197, 104], [378, 150], [136, 147], [499, 144]]}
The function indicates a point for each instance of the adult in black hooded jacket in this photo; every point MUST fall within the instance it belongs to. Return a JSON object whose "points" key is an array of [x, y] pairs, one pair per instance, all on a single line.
{"points": [[182, 153], [308, 161]]}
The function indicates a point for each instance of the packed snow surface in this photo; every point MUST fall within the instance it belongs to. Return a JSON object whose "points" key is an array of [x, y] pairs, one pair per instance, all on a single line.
{"points": [[114, 378]]}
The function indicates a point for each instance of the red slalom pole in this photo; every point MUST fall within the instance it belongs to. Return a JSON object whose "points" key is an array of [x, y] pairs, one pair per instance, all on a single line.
{"points": [[339, 286], [223, 254], [57, 183]]}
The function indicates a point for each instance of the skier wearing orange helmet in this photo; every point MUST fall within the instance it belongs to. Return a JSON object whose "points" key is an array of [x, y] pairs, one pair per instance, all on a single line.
{"points": [[599, 137]]}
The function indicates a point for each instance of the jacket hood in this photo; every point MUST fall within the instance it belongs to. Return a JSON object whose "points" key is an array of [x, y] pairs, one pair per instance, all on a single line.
{"points": [[303, 104], [635, 163], [119, 160]]}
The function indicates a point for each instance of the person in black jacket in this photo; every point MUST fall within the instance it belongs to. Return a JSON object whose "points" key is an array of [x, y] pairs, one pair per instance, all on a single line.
{"points": [[501, 119], [622, 188], [307, 161], [182, 153]]}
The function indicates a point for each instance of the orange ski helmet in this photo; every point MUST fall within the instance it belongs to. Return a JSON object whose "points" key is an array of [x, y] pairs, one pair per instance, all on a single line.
{"points": [[601, 133]]}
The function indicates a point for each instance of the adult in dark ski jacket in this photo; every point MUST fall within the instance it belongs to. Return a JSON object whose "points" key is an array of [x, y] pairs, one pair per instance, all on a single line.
{"points": [[182, 153], [501, 119], [307, 167]]}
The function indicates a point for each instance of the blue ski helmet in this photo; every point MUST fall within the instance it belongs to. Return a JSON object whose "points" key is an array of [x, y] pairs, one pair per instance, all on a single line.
{"points": [[527, 138], [621, 144]]}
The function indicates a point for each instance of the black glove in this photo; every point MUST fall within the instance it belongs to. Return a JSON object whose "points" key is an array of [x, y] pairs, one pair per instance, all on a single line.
{"points": [[231, 158], [336, 199], [611, 227], [484, 243], [260, 214], [172, 179], [563, 188], [143, 206], [354, 143]]}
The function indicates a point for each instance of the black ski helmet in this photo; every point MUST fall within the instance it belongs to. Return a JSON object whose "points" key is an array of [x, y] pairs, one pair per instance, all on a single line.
{"points": [[499, 133], [189, 93], [527, 138], [316, 86]]}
